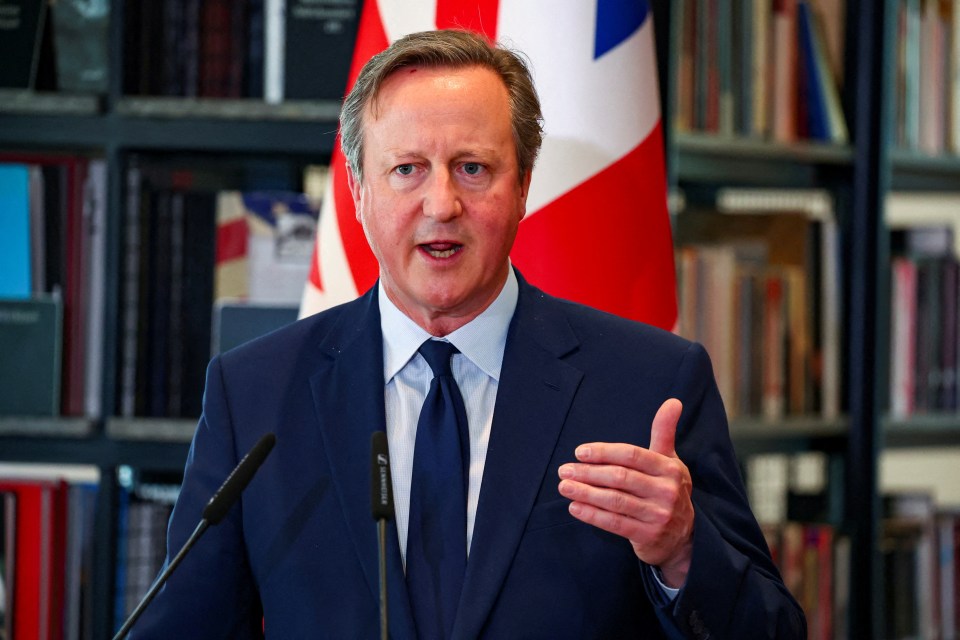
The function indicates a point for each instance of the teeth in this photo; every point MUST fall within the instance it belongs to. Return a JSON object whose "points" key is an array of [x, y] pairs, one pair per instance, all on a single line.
{"points": [[443, 254]]}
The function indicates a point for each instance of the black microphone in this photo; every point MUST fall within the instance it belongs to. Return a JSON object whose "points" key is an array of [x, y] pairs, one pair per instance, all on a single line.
{"points": [[381, 506], [217, 507], [381, 497]]}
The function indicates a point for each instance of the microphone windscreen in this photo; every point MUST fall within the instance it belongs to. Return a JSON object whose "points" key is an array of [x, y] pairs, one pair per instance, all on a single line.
{"points": [[381, 496], [238, 480]]}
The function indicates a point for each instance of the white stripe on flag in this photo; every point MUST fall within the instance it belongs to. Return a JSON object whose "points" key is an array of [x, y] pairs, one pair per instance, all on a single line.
{"points": [[338, 284], [409, 16], [595, 111]]}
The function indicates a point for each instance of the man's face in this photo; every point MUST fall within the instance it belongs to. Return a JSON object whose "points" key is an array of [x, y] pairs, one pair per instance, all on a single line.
{"points": [[441, 196]]}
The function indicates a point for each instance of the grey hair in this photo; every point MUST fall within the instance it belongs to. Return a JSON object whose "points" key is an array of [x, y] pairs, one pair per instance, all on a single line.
{"points": [[454, 49]]}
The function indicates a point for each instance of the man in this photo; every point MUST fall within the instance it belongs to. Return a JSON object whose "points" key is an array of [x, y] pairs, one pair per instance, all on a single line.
{"points": [[601, 494]]}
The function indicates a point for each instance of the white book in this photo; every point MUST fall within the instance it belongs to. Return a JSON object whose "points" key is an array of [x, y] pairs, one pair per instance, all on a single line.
{"points": [[761, 67], [953, 79], [95, 228], [274, 47]]}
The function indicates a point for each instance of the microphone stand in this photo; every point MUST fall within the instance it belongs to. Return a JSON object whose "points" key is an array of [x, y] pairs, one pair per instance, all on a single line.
{"points": [[382, 545], [162, 579], [213, 513], [381, 503]]}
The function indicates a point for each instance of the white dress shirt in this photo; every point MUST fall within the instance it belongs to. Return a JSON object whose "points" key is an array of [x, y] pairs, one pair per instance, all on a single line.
{"points": [[407, 378]]}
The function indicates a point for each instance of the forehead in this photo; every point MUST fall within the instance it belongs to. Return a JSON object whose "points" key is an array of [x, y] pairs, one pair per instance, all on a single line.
{"points": [[429, 88]]}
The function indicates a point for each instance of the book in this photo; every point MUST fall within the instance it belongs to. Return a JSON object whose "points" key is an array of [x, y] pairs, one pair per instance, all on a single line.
{"points": [[142, 532], [761, 68], [15, 242], [907, 544], [41, 520], [222, 48], [79, 554], [63, 180], [319, 36], [8, 563], [933, 78], [953, 79], [825, 117], [31, 332], [755, 279], [948, 570], [924, 299], [22, 25], [254, 60], [783, 123], [129, 307], [274, 49], [282, 228], [238, 322], [911, 74], [80, 29], [93, 296], [903, 337], [686, 26], [264, 245]]}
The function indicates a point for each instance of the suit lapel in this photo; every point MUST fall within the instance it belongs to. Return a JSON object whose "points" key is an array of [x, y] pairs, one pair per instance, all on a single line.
{"points": [[535, 392], [348, 395]]}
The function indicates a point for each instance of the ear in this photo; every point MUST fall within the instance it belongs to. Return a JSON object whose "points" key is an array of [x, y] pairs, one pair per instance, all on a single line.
{"points": [[354, 185], [525, 191], [525, 185]]}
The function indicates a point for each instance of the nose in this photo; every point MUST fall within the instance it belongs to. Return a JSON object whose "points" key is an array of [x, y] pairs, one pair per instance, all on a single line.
{"points": [[442, 199]]}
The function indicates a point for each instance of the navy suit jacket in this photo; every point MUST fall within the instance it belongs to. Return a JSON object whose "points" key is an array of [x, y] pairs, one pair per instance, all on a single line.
{"points": [[298, 553]]}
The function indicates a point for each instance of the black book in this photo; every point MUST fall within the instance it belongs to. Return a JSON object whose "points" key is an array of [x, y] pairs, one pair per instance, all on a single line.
{"points": [[80, 31], [320, 36], [199, 251], [21, 42]]}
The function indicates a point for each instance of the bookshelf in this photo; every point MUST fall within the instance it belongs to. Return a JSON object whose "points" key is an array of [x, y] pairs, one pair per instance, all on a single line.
{"points": [[858, 175], [118, 127]]}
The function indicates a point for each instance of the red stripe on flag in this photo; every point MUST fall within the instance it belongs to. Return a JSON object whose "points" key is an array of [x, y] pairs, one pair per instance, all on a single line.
{"points": [[479, 16], [371, 40], [607, 242], [232, 240]]}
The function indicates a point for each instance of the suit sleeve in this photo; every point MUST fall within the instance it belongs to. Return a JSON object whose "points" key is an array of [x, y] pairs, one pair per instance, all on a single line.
{"points": [[733, 589], [212, 593]]}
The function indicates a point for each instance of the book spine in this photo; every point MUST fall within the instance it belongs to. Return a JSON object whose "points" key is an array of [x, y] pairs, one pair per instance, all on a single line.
{"points": [[274, 50], [129, 308]]}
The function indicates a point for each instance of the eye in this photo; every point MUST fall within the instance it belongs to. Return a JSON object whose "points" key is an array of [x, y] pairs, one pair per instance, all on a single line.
{"points": [[472, 168], [404, 169]]}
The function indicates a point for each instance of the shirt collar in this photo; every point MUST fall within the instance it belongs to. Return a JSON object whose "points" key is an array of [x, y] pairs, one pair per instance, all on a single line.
{"points": [[482, 340]]}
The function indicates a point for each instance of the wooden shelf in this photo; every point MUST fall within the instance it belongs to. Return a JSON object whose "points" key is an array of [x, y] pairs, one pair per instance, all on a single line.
{"points": [[792, 434], [174, 124], [151, 429], [930, 430], [919, 171], [47, 427], [14, 101], [732, 161]]}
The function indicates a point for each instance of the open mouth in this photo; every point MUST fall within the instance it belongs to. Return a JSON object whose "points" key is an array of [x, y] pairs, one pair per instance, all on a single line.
{"points": [[441, 249]]}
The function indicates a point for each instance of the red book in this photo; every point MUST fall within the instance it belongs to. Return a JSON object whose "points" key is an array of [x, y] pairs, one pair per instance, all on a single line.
{"points": [[40, 557]]}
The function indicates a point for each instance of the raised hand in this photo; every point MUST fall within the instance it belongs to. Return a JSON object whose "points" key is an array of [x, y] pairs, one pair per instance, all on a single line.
{"points": [[640, 494]]}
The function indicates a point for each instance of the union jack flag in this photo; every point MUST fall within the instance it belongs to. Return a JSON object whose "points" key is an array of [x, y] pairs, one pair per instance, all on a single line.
{"points": [[597, 229]]}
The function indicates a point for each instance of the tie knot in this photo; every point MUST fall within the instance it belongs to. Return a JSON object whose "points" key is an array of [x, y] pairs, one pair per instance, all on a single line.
{"points": [[437, 353]]}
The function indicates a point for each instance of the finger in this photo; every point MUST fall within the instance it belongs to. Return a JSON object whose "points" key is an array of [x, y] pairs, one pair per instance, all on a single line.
{"points": [[663, 431], [620, 454], [655, 481], [616, 523], [615, 502]]}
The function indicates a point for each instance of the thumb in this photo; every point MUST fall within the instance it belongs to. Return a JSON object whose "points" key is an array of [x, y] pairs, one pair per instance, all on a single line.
{"points": [[663, 431]]}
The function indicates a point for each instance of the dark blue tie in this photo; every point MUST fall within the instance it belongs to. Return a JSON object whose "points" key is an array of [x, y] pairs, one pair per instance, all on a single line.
{"points": [[437, 535]]}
